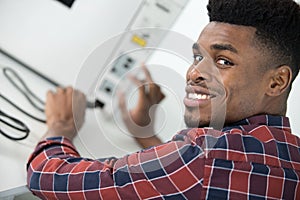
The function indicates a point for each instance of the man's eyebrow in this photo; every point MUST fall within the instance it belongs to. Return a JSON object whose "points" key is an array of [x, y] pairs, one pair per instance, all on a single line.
{"points": [[224, 47], [195, 46]]}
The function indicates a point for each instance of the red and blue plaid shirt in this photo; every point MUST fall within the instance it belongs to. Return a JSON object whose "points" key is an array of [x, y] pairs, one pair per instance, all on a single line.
{"points": [[256, 158]]}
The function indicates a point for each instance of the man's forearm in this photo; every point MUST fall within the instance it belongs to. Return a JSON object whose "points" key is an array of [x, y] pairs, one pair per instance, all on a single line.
{"points": [[56, 171]]}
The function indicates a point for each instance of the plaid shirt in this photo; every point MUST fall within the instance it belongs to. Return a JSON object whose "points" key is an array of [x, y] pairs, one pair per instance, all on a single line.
{"points": [[256, 158]]}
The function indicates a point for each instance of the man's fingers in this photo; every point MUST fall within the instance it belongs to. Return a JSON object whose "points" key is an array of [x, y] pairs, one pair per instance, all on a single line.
{"points": [[60, 90], [50, 94], [162, 96], [69, 90], [154, 89], [136, 81], [155, 93], [140, 84], [147, 74]]}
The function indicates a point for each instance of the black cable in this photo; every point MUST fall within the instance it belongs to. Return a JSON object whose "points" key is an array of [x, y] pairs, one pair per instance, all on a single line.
{"points": [[21, 127], [31, 69], [29, 95], [22, 110], [18, 125]]}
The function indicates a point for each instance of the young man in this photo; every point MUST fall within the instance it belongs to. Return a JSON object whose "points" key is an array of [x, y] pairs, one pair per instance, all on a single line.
{"points": [[246, 59]]}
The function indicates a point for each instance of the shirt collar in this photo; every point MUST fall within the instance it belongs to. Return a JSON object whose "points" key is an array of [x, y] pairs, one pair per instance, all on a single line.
{"points": [[280, 122]]}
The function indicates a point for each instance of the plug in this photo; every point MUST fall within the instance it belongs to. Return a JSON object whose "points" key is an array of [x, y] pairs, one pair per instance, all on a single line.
{"points": [[96, 104]]}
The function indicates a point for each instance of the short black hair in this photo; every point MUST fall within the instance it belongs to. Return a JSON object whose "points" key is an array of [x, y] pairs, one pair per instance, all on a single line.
{"points": [[277, 24]]}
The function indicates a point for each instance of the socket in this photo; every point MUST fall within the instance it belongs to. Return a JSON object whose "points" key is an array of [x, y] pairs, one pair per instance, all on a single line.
{"points": [[107, 87], [122, 65]]}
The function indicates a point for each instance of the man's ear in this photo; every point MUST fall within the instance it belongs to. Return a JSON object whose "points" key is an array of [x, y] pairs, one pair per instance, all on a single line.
{"points": [[280, 80]]}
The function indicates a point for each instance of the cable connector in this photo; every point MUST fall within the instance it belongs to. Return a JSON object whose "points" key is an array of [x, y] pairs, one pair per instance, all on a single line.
{"points": [[96, 104]]}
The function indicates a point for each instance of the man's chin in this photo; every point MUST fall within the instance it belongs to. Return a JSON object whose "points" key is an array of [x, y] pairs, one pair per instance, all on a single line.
{"points": [[193, 122]]}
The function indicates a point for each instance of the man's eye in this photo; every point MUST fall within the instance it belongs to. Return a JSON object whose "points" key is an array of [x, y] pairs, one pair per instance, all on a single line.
{"points": [[197, 58], [224, 63]]}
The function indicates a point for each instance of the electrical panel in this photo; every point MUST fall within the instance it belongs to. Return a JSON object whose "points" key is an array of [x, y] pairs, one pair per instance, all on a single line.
{"points": [[135, 46]]}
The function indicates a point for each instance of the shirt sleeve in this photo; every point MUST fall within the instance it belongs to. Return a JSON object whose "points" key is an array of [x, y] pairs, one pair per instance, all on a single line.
{"points": [[56, 171]]}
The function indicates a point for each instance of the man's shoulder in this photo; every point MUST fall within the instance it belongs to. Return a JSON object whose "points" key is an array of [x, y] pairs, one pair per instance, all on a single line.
{"points": [[262, 144]]}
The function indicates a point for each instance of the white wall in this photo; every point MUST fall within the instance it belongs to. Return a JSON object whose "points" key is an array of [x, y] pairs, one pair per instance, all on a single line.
{"points": [[56, 40]]}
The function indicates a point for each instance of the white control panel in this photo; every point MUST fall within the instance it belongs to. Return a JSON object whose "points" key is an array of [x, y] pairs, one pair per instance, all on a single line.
{"points": [[134, 47]]}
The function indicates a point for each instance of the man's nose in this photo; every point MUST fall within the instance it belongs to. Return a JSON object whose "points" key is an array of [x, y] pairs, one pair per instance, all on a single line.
{"points": [[196, 74]]}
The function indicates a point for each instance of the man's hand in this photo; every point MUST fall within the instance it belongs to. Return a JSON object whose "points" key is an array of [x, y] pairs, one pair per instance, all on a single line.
{"points": [[139, 121], [65, 110]]}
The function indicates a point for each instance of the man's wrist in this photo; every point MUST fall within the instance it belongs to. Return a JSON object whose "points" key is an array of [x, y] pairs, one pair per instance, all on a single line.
{"points": [[61, 128]]}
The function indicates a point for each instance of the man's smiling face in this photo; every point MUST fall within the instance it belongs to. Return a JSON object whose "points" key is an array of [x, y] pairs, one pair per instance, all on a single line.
{"points": [[226, 82]]}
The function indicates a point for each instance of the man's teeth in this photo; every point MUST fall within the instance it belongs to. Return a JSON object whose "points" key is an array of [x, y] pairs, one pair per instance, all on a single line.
{"points": [[198, 96]]}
